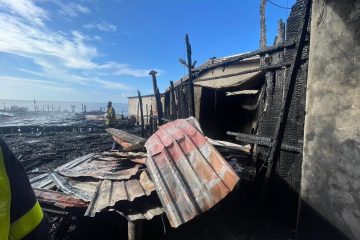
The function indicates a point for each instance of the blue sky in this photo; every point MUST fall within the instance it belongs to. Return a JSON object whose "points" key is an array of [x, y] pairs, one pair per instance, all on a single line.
{"points": [[100, 50]]}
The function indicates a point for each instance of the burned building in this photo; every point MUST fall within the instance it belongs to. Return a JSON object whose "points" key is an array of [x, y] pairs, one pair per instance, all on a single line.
{"points": [[259, 98], [256, 98], [288, 112], [148, 105]]}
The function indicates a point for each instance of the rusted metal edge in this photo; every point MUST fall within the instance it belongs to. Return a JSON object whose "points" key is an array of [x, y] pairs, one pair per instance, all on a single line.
{"points": [[62, 183], [127, 140], [58, 199]]}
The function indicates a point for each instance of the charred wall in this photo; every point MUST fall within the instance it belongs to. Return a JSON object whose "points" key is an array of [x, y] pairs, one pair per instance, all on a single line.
{"points": [[284, 185]]}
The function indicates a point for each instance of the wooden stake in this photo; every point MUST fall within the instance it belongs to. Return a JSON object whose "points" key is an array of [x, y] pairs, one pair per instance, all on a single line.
{"points": [[141, 114], [174, 109], [190, 82]]}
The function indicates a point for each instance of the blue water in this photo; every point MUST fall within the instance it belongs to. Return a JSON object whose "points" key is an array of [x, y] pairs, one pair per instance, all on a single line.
{"points": [[63, 106]]}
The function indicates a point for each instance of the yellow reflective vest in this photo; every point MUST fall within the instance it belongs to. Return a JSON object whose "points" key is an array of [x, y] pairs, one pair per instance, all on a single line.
{"points": [[110, 116], [21, 216]]}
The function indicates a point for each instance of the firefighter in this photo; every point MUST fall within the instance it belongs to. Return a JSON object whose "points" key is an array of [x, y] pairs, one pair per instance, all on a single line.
{"points": [[110, 116], [21, 216]]}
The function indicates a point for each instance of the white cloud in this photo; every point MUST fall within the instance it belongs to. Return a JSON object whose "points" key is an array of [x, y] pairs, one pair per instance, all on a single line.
{"points": [[18, 83], [64, 58], [123, 69], [71, 9], [102, 26], [19, 38], [26, 9], [111, 85]]}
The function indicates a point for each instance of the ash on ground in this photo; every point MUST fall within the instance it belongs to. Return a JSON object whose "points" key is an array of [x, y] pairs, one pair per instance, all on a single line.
{"points": [[46, 151]]}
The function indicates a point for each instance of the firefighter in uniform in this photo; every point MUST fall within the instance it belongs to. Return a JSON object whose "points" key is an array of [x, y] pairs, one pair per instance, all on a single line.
{"points": [[21, 216], [110, 116]]}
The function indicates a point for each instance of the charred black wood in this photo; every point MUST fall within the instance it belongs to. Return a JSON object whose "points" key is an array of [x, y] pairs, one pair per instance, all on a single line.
{"points": [[166, 120], [157, 96], [269, 67], [289, 87], [191, 102], [180, 102], [151, 121], [174, 108], [267, 50], [141, 114], [263, 141]]}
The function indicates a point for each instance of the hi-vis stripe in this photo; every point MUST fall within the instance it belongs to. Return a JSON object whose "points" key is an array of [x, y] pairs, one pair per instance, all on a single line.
{"points": [[5, 200], [25, 224], [28, 222]]}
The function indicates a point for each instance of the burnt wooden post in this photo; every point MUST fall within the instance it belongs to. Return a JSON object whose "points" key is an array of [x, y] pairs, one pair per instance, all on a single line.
{"points": [[179, 102], [147, 120], [151, 120], [134, 230], [262, 30], [157, 97], [141, 114], [174, 111], [137, 113], [190, 82]]}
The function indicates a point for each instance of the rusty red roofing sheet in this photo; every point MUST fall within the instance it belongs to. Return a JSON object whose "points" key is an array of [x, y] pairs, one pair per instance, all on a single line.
{"points": [[127, 140], [189, 173], [58, 199]]}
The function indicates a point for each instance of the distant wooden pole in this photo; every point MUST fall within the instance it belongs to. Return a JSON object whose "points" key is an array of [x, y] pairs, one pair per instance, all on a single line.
{"points": [[173, 103], [157, 97], [141, 114], [190, 82]]}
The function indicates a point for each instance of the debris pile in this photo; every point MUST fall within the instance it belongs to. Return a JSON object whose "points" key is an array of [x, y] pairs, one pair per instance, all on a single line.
{"points": [[180, 173]]}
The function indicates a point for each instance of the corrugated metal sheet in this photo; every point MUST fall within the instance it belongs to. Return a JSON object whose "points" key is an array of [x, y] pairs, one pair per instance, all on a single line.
{"points": [[110, 168], [128, 141], [101, 170], [189, 173], [82, 189], [110, 193], [91, 182], [42, 181], [58, 199], [137, 157]]}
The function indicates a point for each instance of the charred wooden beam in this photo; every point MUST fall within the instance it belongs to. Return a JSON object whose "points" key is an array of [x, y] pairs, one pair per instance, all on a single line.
{"points": [[263, 141], [174, 109], [267, 50], [269, 67]]}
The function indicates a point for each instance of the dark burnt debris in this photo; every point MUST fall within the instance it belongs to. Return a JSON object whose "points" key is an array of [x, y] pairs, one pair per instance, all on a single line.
{"points": [[218, 155]]}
